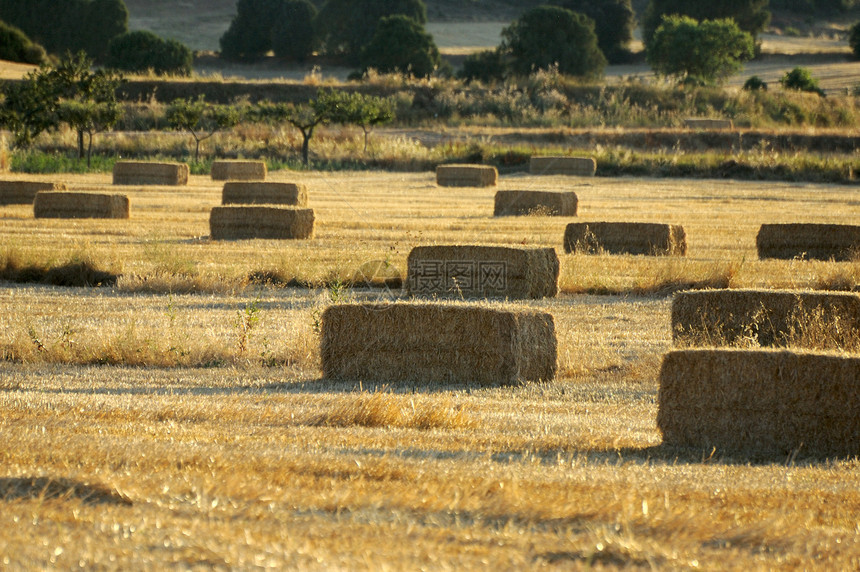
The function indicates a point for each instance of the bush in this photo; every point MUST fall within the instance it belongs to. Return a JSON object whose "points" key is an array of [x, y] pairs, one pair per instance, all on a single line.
{"points": [[486, 66], [400, 44], [614, 21], [755, 83], [142, 51], [15, 46], [854, 40], [800, 79], [293, 30]]}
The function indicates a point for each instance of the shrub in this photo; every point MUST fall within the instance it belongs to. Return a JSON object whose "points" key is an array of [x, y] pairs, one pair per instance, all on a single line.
{"points": [[800, 79], [142, 50], [755, 83], [293, 32], [400, 44], [486, 66], [15, 46], [854, 40]]}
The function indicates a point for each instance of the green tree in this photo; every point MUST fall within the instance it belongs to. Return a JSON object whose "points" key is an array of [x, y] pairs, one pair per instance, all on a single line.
{"points": [[709, 51], [29, 107], [485, 66], [364, 110], [89, 117], [614, 21], [201, 119], [854, 40], [141, 50], [800, 79], [104, 21], [15, 46], [250, 33], [750, 15], [550, 35], [293, 35], [400, 44]]}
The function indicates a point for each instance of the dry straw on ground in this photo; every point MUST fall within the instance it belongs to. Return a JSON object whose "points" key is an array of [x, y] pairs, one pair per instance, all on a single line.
{"points": [[150, 173], [577, 166], [238, 171], [761, 402], [767, 317], [71, 204], [547, 203], [625, 238], [482, 272], [237, 222], [699, 123], [265, 193], [808, 240], [24, 192], [466, 176], [437, 343]]}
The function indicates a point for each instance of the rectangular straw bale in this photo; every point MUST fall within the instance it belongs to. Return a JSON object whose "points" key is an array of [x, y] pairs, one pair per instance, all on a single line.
{"points": [[265, 193], [238, 171], [808, 240], [548, 203], [466, 271], [761, 402], [699, 123], [23, 192], [766, 318], [73, 204], [437, 343], [466, 176], [578, 166], [150, 173], [626, 238], [238, 222]]}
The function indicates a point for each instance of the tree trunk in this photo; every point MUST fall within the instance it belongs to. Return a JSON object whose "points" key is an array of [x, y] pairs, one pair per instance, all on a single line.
{"points": [[80, 143], [89, 149]]}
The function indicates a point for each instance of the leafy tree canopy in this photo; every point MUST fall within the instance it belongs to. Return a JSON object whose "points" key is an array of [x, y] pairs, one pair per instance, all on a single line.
{"points": [[15, 46], [141, 51], [750, 15], [614, 22], [293, 35], [400, 44]]}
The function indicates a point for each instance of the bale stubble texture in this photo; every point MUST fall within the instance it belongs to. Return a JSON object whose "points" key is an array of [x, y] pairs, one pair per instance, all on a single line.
{"points": [[761, 402], [699, 123], [241, 222], [24, 192], [150, 173], [466, 176], [808, 240], [238, 171], [467, 271], [437, 343], [265, 193], [575, 166], [750, 317], [547, 203], [625, 238], [73, 204]]}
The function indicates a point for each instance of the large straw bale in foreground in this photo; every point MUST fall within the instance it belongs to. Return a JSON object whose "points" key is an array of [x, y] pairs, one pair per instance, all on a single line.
{"points": [[238, 222], [265, 193], [808, 240], [761, 402], [766, 318], [437, 343], [71, 204], [466, 176], [625, 238], [149, 173], [238, 171], [699, 123], [548, 203], [577, 166], [24, 192], [482, 271]]}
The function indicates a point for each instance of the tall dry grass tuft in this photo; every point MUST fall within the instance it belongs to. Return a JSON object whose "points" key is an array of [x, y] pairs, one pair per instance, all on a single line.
{"points": [[676, 275], [383, 409]]}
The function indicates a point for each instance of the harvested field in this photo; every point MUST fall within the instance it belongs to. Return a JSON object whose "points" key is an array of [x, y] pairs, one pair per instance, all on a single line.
{"points": [[576, 166], [23, 192], [72, 204], [537, 203], [466, 176], [807, 240], [652, 239], [238, 222], [265, 193], [150, 173], [238, 171]]}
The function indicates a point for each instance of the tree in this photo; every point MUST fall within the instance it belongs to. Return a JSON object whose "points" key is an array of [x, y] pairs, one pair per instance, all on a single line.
{"points": [[709, 51], [363, 110], [800, 79], [854, 40], [89, 117], [400, 44], [250, 33], [549, 35], [293, 35], [201, 119], [485, 66], [29, 107], [614, 21], [750, 15], [142, 50], [15, 46], [104, 21]]}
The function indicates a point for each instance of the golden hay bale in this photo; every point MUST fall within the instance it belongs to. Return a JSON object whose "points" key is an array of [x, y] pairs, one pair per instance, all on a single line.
{"points": [[698, 123], [71, 204], [625, 238], [766, 318], [23, 192], [808, 240], [579, 166], [147, 173], [437, 343], [761, 402], [237, 222], [238, 170], [548, 203], [482, 272], [466, 176], [265, 193]]}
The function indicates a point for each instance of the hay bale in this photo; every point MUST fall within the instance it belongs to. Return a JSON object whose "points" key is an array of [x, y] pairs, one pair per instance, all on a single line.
{"points": [[431, 343], [761, 402], [808, 240], [766, 318], [548, 203], [72, 204], [265, 193], [578, 166], [466, 176], [23, 192], [237, 222], [148, 173], [482, 272], [625, 238], [699, 123], [238, 171]]}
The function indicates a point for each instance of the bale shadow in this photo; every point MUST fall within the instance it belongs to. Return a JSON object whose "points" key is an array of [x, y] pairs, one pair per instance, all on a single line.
{"points": [[47, 488]]}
